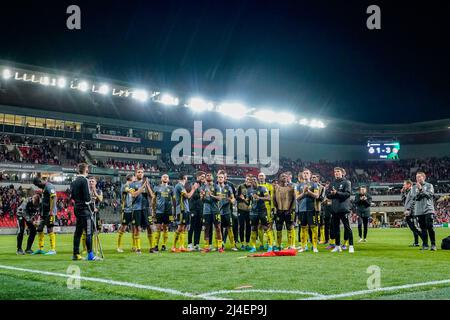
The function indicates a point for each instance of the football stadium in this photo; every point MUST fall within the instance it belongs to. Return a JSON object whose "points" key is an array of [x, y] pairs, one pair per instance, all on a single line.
{"points": [[113, 189]]}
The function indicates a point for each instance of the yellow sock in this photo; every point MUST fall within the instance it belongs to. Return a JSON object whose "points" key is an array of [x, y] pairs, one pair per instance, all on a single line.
{"points": [[133, 238], [322, 234], [261, 236], [231, 237], [176, 238], [207, 242], [138, 242], [293, 237], [41, 240], [150, 240], [346, 243], [119, 239], [52, 237], [253, 236], [83, 241], [274, 236], [280, 238], [333, 241], [219, 244], [165, 237], [157, 237], [289, 238], [315, 235], [304, 236], [182, 239], [269, 237]]}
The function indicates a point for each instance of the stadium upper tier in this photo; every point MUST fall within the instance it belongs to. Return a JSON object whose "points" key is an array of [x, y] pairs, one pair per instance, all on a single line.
{"points": [[57, 154], [54, 91]]}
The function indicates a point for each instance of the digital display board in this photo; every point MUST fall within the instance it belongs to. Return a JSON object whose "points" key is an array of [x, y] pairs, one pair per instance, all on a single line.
{"points": [[383, 150]]}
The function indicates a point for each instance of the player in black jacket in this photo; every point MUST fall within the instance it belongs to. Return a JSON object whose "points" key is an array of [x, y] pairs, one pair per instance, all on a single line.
{"points": [[339, 192], [81, 196], [196, 208]]}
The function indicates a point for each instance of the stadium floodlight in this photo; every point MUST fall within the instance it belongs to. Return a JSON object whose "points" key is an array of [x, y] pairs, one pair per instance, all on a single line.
{"points": [[316, 124], [6, 74], [83, 86], [285, 118], [303, 122], [233, 109], [45, 81], [61, 82], [141, 95], [104, 89], [199, 105], [265, 115], [168, 100]]}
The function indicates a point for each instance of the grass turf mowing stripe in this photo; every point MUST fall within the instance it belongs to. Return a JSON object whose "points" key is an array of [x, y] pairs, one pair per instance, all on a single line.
{"points": [[385, 289], [113, 282]]}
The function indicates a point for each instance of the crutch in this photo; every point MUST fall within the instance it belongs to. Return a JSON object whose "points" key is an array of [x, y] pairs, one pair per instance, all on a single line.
{"points": [[96, 239]]}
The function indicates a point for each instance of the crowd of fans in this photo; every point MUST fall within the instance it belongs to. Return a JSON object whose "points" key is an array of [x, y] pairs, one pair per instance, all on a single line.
{"points": [[443, 210], [34, 150], [367, 172]]}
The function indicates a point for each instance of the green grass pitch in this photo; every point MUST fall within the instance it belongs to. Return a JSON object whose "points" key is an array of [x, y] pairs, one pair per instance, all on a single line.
{"points": [[196, 275]]}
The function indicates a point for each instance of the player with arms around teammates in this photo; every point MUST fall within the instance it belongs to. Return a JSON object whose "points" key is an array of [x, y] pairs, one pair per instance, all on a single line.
{"points": [[127, 212], [163, 204], [182, 212], [48, 214], [258, 196]]}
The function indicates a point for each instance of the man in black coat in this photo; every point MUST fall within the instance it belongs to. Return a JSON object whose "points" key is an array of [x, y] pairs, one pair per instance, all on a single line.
{"points": [[362, 203], [339, 192], [80, 194]]}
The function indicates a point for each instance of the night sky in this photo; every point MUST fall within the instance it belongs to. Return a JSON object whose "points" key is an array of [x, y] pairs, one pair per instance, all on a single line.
{"points": [[315, 56]]}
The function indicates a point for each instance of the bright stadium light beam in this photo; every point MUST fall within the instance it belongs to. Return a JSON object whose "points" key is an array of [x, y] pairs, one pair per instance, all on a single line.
{"points": [[303, 122], [199, 105], [265, 115], [83, 86], [233, 109], [61, 82], [285, 118], [6, 74], [104, 89], [316, 124], [168, 100], [140, 95], [45, 81]]}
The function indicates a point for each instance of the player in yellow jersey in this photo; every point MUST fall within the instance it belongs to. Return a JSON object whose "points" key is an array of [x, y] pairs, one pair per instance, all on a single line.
{"points": [[318, 208], [127, 212], [306, 194], [270, 209]]}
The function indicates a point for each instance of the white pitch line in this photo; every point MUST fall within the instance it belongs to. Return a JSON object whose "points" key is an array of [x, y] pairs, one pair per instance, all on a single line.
{"points": [[115, 283], [306, 293], [393, 288]]}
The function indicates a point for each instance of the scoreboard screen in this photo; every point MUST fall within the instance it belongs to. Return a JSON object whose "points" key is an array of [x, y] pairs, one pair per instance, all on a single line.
{"points": [[383, 150]]}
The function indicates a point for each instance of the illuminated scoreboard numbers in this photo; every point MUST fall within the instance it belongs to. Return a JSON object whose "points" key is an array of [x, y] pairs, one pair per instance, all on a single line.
{"points": [[383, 150]]}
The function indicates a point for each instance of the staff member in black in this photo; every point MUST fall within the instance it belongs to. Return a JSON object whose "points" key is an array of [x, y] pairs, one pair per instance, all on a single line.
{"points": [[362, 203], [196, 208], [81, 196], [339, 192], [25, 215]]}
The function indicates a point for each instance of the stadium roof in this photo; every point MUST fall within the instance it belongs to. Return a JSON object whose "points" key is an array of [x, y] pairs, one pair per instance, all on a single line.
{"points": [[36, 96]]}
